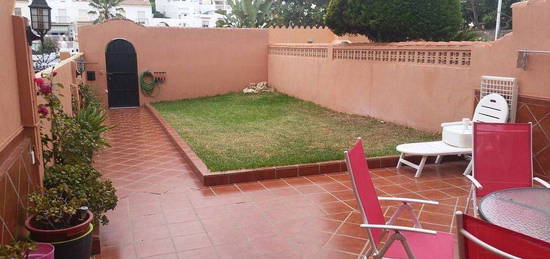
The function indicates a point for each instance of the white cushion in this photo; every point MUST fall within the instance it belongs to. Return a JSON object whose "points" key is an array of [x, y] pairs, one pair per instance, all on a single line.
{"points": [[458, 135]]}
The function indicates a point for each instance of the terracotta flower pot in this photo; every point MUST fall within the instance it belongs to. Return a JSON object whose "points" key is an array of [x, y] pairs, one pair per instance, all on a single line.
{"points": [[57, 235]]}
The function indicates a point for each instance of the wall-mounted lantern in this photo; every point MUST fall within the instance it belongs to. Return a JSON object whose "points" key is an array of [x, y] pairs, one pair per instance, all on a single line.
{"points": [[80, 65], [41, 19]]}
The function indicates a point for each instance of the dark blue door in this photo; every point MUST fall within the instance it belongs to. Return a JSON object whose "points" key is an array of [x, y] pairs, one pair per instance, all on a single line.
{"points": [[122, 77]]}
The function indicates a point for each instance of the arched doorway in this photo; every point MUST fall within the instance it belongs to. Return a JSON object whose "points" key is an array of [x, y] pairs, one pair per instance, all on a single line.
{"points": [[122, 77]]}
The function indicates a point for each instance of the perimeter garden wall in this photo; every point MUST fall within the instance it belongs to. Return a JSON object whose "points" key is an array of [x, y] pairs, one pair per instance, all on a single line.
{"points": [[19, 137], [196, 61], [425, 83], [417, 84], [413, 84], [21, 168]]}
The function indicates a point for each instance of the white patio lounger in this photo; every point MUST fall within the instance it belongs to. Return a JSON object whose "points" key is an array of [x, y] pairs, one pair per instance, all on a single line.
{"points": [[427, 149], [457, 136]]}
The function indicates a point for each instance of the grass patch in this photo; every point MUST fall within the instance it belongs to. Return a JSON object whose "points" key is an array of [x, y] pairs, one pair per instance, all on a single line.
{"points": [[236, 131]]}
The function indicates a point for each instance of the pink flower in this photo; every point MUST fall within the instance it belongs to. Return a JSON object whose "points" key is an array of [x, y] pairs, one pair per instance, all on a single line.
{"points": [[46, 88], [43, 110], [38, 80]]}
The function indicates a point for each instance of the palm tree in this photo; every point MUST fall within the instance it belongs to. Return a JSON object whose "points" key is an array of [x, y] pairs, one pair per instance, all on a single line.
{"points": [[106, 9]]}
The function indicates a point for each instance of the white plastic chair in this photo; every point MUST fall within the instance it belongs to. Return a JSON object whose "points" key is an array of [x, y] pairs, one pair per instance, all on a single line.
{"points": [[492, 108]]}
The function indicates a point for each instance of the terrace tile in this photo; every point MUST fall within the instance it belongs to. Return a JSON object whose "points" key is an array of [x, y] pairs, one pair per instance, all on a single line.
{"points": [[154, 247], [201, 253], [190, 242], [164, 211]]}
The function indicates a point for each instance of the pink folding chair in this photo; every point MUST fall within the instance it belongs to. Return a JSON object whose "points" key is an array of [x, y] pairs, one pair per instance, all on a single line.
{"points": [[502, 156], [478, 239], [415, 242]]}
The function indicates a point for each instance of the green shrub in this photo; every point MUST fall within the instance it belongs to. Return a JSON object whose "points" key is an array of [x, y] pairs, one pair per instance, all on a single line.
{"points": [[99, 195], [75, 139], [16, 250], [482, 13], [246, 14], [298, 12], [395, 20], [68, 150], [91, 120], [56, 208], [469, 35], [88, 95]]}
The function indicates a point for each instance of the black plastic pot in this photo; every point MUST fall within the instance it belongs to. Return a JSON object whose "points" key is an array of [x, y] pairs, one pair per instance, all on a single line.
{"points": [[77, 248]]}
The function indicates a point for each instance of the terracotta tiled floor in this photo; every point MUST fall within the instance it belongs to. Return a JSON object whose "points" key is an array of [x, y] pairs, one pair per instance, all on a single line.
{"points": [[164, 212]]}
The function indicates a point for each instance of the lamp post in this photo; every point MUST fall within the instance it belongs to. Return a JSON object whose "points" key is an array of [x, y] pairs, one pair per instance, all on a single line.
{"points": [[497, 27], [41, 18]]}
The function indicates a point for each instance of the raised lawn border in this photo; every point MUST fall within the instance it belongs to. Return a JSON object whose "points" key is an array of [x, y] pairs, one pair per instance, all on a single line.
{"points": [[209, 178]]}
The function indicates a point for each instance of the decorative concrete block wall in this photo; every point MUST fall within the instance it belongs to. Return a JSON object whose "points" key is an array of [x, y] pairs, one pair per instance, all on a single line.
{"points": [[414, 84]]}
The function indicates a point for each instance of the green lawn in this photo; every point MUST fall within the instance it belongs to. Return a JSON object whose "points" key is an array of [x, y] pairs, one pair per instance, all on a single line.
{"points": [[236, 131]]}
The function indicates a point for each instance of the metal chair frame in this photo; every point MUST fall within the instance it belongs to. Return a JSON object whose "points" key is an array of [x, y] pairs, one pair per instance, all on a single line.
{"points": [[464, 234]]}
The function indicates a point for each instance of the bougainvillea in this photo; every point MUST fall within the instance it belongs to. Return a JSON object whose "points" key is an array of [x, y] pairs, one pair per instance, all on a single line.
{"points": [[43, 110], [45, 88]]}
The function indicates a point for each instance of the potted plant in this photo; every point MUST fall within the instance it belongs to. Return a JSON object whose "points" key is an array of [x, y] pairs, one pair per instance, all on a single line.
{"points": [[86, 184], [24, 249], [69, 143], [59, 217]]}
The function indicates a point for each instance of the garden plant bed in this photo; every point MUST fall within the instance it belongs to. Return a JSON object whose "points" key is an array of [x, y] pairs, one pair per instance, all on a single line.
{"points": [[228, 137]]}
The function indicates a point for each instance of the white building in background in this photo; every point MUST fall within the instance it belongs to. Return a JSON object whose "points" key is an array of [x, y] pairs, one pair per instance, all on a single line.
{"points": [[189, 13], [67, 15]]}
